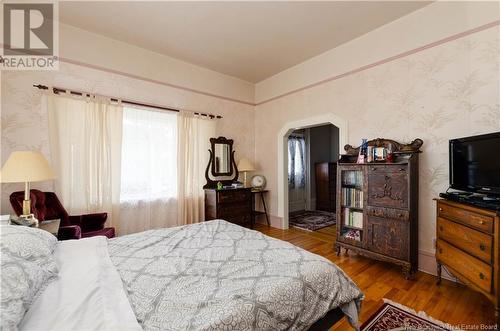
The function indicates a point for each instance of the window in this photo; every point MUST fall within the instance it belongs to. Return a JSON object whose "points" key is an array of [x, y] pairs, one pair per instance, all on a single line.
{"points": [[296, 162], [149, 155]]}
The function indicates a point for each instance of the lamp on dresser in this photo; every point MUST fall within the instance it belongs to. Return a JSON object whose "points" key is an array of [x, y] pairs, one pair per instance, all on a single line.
{"points": [[245, 165], [26, 167]]}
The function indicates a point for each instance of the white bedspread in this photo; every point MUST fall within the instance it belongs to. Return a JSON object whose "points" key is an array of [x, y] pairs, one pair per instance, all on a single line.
{"points": [[88, 295]]}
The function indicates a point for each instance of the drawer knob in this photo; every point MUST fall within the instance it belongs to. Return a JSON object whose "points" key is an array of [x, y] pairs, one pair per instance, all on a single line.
{"points": [[402, 169], [481, 275], [481, 222], [482, 247], [440, 209]]}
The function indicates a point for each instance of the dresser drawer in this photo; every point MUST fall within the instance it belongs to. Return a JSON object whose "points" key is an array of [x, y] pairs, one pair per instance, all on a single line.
{"points": [[470, 218], [396, 214], [474, 242], [228, 196], [474, 270], [241, 219], [234, 209]]}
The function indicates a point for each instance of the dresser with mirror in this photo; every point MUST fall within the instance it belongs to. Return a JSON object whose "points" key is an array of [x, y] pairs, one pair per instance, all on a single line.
{"points": [[232, 204]]}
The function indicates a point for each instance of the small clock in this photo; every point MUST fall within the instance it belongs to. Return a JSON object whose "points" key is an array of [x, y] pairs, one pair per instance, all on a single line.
{"points": [[258, 181]]}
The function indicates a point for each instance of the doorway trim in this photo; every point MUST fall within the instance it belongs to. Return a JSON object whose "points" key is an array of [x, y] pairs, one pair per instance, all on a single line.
{"points": [[283, 134]]}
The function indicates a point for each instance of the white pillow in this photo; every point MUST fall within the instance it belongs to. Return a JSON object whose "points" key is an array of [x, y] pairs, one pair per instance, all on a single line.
{"points": [[27, 267], [31, 244]]}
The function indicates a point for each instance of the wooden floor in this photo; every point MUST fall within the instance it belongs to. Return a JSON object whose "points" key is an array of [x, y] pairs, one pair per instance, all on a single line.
{"points": [[448, 302]]}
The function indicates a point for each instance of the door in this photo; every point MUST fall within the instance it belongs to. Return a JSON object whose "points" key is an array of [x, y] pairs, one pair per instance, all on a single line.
{"points": [[389, 237], [388, 186]]}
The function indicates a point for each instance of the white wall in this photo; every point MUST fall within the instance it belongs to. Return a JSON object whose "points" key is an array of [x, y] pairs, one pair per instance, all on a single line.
{"points": [[96, 50], [434, 22], [435, 93]]}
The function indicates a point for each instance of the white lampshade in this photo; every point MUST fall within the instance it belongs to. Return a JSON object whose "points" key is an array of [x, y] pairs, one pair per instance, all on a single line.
{"points": [[26, 166], [245, 165]]}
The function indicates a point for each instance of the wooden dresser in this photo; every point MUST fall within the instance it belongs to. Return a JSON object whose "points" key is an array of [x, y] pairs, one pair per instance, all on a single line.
{"points": [[468, 246], [326, 186], [232, 205]]}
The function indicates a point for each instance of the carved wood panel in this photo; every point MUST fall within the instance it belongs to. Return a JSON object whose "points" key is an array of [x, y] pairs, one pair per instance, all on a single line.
{"points": [[388, 187], [388, 237]]}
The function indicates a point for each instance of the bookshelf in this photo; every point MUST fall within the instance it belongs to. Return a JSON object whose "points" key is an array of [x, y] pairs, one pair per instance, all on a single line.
{"points": [[377, 208], [351, 204]]}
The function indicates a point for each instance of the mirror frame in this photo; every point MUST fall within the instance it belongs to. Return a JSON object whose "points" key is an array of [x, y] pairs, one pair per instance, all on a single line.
{"points": [[222, 141], [212, 183]]}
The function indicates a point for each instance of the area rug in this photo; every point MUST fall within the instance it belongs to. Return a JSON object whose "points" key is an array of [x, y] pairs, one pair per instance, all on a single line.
{"points": [[312, 220], [395, 316]]}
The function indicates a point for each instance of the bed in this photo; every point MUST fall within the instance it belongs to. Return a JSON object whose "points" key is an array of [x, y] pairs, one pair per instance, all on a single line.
{"points": [[208, 276]]}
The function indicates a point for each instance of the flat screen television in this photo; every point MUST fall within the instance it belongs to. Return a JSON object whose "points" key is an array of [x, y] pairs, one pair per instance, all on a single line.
{"points": [[475, 164]]}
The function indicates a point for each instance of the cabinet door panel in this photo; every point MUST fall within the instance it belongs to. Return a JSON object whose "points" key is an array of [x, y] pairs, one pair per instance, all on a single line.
{"points": [[388, 187], [388, 237]]}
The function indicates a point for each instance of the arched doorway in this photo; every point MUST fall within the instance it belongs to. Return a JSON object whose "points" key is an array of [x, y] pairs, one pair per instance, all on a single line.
{"points": [[283, 153]]}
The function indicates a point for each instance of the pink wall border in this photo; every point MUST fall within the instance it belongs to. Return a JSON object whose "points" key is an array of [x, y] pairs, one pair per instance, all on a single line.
{"points": [[154, 81], [386, 60], [347, 73]]}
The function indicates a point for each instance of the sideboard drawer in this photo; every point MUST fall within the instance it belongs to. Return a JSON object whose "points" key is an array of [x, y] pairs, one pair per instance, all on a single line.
{"points": [[235, 209], [470, 218], [240, 219], [474, 270], [227, 196], [474, 242]]}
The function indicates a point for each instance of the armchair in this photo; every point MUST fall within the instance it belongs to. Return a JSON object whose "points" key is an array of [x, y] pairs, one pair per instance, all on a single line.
{"points": [[46, 206]]}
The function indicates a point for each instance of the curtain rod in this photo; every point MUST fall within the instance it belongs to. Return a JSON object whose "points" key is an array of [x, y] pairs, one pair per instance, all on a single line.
{"points": [[58, 90]]}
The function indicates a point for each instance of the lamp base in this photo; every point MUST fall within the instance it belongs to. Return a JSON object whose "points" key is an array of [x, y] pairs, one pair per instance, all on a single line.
{"points": [[26, 220], [26, 207]]}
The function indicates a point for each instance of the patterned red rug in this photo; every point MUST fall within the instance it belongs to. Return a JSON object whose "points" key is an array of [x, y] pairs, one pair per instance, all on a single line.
{"points": [[394, 316], [312, 220]]}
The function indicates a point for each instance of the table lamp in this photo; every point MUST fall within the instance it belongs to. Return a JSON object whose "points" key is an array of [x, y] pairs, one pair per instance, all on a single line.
{"points": [[245, 165], [25, 167]]}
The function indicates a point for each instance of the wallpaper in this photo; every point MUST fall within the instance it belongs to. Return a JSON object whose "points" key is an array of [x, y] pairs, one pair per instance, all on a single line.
{"points": [[445, 92], [24, 121]]}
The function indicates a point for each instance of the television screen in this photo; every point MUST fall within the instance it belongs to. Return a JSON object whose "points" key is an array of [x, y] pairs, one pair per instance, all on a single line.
{"points": [[475, 164]]}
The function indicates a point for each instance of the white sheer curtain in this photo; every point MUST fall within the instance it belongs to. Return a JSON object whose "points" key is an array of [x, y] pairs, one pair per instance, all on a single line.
{"points": [[149, 170], [194, 135], [85, 140], [143, 165], [296, 162]]}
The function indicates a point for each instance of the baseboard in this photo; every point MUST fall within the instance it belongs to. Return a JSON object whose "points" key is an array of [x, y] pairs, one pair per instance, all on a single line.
{"points": [[276, 222], [427, 263]]}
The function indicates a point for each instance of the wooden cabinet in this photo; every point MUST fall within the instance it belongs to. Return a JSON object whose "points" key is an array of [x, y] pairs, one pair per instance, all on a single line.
{"points": [[377, 210], [468, 246], [325, 180], [232, 205]]}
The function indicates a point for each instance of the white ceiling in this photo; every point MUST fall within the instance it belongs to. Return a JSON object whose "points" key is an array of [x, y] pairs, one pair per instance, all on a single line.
{"points": [[248, 40]]}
